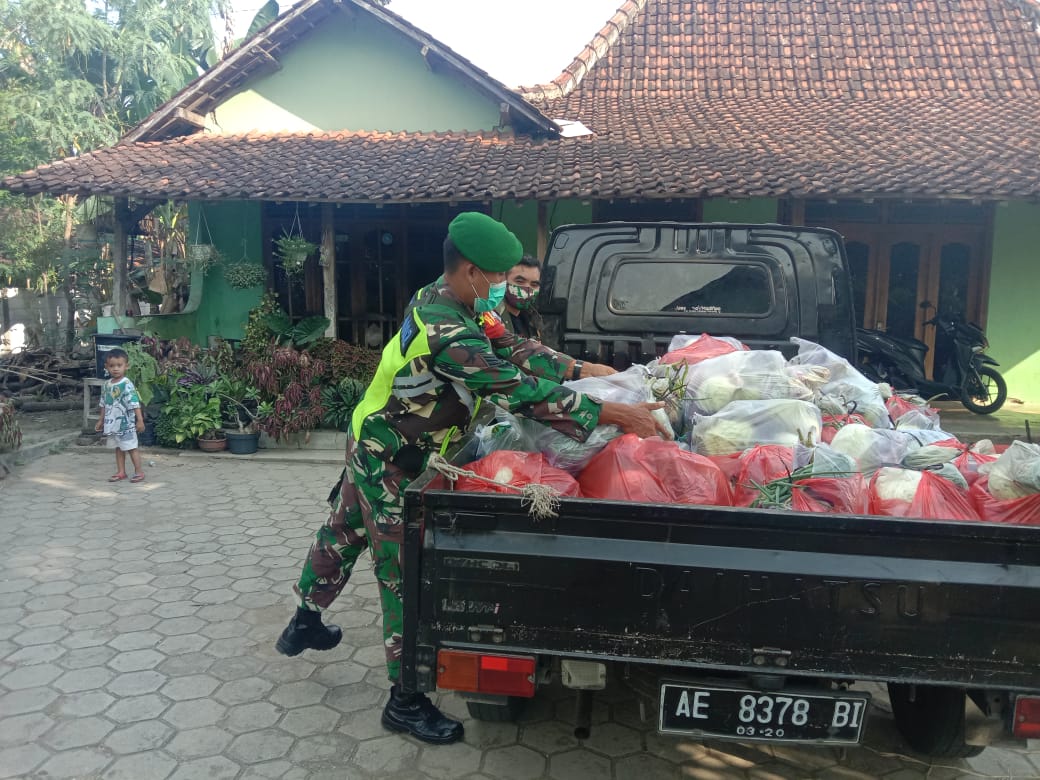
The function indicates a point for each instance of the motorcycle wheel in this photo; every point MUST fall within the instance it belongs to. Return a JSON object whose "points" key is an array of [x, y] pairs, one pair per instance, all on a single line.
{"points": [[991, 394]]}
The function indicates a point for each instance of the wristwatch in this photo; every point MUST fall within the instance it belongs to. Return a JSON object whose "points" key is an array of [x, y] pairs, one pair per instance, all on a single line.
{"points": [[576, 369]]}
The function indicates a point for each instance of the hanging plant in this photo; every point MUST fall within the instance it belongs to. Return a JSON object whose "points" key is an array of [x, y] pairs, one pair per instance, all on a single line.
{"points": [[293, 252], [293, 249], [243, 275], [202, 254]]}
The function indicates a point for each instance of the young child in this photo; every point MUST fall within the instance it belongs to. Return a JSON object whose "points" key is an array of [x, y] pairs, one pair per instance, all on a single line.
{"points": [[121, 418]]}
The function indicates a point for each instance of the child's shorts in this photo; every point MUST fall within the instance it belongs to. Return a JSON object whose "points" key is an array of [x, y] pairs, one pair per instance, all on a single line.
{"points": [[124, 441]]}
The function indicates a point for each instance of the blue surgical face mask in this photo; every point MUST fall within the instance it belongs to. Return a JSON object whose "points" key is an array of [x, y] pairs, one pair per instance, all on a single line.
{"points": [[496, 294]]}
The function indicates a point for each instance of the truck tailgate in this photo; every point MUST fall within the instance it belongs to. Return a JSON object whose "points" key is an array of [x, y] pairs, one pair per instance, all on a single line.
{"points": [[756, 590]]}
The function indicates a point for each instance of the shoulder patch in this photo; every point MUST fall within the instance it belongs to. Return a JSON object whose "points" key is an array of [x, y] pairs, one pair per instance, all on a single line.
{"points": [[409, 330]]}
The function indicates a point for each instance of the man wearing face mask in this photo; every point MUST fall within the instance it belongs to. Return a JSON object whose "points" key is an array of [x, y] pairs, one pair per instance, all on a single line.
{"points": [[428, 386], [519, 315]]}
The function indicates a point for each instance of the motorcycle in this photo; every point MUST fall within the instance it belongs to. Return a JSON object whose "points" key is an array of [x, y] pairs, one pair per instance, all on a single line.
{"points": [[968, 374]]}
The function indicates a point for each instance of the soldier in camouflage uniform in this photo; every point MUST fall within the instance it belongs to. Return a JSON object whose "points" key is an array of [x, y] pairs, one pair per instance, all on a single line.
{"points": [[430, 380]]}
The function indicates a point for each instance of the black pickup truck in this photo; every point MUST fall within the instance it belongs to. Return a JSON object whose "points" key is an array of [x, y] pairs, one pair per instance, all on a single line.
{"points": [[731, 623]]}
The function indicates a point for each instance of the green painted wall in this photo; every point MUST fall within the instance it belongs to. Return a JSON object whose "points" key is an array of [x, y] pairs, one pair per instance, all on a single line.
{"points": [[224, 309], [353, 73], [1013, 298], [753, 210], [522, 218]]}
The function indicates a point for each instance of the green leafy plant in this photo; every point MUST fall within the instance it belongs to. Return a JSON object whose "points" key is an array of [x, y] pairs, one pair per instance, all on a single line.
{"points": [[239, 402], [193, 412], [293, 251], [202, 257], [244, 276], [339, 401], [301, 334], [257, 335], [10, 432], [143, 371]]}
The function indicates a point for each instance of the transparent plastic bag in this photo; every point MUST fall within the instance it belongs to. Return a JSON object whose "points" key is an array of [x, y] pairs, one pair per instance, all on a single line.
{"points": [[1016, 473], [624, 387], [756, 375], [846, 389], [744, 424], [871, 448], [520, 434]]}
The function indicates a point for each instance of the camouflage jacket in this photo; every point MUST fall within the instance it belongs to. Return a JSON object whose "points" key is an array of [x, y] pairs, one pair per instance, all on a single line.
{"points": [[434, 373], [529, 354]]}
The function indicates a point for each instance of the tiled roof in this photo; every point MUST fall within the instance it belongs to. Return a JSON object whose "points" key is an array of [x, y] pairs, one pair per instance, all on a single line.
{"points": [[687, 98], [798, 148]]}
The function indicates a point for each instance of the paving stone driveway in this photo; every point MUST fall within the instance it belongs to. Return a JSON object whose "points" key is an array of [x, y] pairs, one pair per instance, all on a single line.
{"points": [[136, 632]]}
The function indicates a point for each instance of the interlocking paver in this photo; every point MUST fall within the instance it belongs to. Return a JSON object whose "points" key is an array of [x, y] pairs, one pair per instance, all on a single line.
{"points": [[21, 760], [160, 643], [146, 735]]}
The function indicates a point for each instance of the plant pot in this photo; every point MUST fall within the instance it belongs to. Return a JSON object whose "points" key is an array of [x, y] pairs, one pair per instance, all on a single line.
{"points": [[146, 308], [200, 253], [242, 443], [211, 445], [107, 309]]}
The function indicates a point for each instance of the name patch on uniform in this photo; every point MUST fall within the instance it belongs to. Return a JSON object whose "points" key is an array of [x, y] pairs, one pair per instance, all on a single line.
{"points": [[409, 330]]}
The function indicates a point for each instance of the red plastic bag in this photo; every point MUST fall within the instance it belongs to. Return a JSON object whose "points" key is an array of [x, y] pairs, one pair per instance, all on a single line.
{"points": [[935, 499], [1019, 511], [653, 471], [968, 462], [729, 464], [761, 465], [831, 495], [703, 348], [832, 423], [517, 469], [898, 406]]}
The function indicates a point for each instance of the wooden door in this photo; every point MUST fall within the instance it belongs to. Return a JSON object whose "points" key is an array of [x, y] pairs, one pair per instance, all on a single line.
{"points": [[901, 273]]}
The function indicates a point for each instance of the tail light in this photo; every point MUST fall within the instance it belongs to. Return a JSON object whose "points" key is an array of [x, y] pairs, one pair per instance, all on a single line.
{"points": [[504, 675], [1027, 717]]}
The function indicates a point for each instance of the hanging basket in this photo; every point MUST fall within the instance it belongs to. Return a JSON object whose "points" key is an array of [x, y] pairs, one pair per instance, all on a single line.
{"points": [[200, 253]]}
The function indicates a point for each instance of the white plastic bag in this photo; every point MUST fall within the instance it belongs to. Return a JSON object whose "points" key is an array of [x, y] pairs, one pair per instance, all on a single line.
{"points": [[625, 387], [1016, 473], [744, 424], [845, 387], [871, 448], [757, 375]]}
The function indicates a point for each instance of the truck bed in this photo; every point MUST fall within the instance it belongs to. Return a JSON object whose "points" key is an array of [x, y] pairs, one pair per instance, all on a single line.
{"points": [[829, 596]]}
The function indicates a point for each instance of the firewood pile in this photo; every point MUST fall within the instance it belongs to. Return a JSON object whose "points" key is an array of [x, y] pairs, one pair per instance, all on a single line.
{"points": [[43, 373]]}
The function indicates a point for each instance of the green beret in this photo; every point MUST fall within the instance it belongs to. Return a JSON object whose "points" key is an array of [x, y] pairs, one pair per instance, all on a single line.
{"points": [[485, 242]]}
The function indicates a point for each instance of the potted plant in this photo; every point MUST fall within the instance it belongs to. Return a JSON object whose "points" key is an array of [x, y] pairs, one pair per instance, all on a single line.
{"points": [[293, 251], [239, 402], [194, 414]]}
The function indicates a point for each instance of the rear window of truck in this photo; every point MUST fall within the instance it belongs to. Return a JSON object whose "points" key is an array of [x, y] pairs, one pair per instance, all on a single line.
{"points": [[707, 288]]}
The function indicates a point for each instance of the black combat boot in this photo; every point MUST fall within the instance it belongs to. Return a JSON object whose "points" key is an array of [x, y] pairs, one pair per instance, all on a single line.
{"points": [[416, 715], [306, 632]]}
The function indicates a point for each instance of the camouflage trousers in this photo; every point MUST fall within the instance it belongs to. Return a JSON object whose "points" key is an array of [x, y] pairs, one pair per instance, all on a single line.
{"points": [[366, 503]]}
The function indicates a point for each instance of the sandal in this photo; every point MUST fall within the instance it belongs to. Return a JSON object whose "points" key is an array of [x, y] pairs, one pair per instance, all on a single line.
{"points": [[117, 477], [137, 478]]}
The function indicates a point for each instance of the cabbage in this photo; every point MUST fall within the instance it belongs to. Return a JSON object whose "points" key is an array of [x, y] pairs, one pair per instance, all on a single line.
{"points": [[892, 484]]}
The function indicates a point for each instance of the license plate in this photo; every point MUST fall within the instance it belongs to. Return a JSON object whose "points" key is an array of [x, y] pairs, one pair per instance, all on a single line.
{"points": [[746, 715]]}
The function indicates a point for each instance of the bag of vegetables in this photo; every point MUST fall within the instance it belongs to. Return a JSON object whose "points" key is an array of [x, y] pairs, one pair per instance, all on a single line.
{"points": [[896, 492], [1016, 473], [694, 349], [517, 469], [625, 387], [831, 495], [743, 424], [653, 471], [846, 389], [871, 448], [756, 375], [1020, 511], [758, 467]]}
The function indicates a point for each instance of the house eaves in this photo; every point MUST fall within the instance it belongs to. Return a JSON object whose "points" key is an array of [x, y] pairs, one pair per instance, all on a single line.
{"points": [[181, 115]]}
